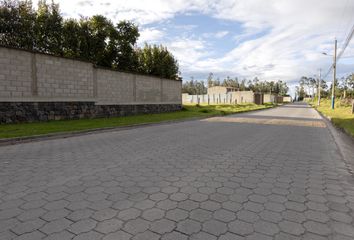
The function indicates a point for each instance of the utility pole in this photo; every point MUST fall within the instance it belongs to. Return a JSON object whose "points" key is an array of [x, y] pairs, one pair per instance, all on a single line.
{"points": [[319, 88], [334, 72]]}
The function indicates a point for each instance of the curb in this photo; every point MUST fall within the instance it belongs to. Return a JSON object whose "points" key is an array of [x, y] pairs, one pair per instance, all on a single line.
{"points": [[343, 140], [52, 136]]}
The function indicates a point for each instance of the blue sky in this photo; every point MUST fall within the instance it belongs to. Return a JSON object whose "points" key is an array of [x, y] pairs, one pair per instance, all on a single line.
{"points": [[268, 39]]}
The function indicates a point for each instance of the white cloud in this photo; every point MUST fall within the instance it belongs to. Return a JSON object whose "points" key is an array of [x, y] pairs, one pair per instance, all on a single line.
{"points": [[280, 39], [150, 35]]}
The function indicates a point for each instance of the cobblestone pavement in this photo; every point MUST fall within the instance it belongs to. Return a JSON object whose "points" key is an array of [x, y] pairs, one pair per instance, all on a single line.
{"points": [[206, 179]]}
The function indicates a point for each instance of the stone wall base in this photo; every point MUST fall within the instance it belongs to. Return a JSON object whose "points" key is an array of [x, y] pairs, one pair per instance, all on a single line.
{"points": [[17, 112]]}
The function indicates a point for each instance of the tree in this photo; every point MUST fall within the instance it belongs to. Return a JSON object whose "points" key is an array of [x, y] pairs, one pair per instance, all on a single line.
{"points": [[48, 28], [210, 80], [125, 38], [157, 60], [194, 87], [17, 20]]}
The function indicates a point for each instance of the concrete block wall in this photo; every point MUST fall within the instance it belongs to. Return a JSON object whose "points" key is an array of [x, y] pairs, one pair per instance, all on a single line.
{"points": [[148, 89], [15, 74], [115, 87], [31, 77], [169, 93], [63, 78]]}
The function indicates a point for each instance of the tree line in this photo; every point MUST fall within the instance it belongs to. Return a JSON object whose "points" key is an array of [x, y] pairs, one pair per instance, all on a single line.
{"points": [[195, 87], [308, 87], [95, 39]]}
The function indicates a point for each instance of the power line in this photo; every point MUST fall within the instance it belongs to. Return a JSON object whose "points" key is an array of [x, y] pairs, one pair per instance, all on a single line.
{"points": [[345, 45]]}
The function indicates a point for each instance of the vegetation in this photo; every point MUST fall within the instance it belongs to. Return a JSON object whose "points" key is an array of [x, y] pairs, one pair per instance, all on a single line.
{"points": [[95, 39], [308, 87], [341, 116], [189, 111], [198, 87]]}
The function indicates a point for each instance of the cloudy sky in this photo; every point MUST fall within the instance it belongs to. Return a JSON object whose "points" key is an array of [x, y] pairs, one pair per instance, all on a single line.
{"points": [[270, 39]]}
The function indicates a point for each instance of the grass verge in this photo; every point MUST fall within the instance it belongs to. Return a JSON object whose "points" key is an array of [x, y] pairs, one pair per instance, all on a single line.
{"points": [[64, 126], [341, 115]]}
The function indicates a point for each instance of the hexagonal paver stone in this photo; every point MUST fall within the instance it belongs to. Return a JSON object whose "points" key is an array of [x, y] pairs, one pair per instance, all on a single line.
{"points": [[136, 226], [286, 236], [174, 236], [210, 205], [291, 227], [108, 226], [247, 216], [265, 227], [198, 197], [316, 216], [231, 236], [258, 236], [200, 215], [188, 205], [340, 217], [80, 214], [202, 236], [215, 227], [299, 207], [104, 214], [224, 215], [128, 214], [64, 235], [146, 236], [153, 214], [56, 226], [178, 196], [275, 207], [162, 226], [28, 226], [88, 236], [10, 213], [177, 214], [270, 216], [145, 204], [293, 216], [60, 204], [82, 226], [31, 214], [240, 227], [218, 197], [232, 206], [166, 204], [30, 236], [122, 204], [345, 229], [55, 214], [318, 228], [188, 226], [254, 207], [317, 206], [158, 196], [119, 235]]}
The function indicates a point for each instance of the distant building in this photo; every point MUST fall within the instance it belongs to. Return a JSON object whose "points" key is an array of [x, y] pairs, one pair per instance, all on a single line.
{"points": [[220, 90]]}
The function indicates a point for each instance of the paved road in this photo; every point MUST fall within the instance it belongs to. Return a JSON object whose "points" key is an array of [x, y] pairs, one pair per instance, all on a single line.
{"points": [[273, 174]]}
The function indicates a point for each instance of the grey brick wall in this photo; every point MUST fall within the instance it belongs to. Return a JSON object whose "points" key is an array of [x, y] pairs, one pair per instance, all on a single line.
{"points": [[27, 76]]}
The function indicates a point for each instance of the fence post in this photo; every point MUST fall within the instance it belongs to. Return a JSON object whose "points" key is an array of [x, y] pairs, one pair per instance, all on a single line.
{"points": [[352, 106]]}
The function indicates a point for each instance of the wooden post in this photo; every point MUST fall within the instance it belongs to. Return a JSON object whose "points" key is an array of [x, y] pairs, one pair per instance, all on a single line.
{"points": [[352, 106]]}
